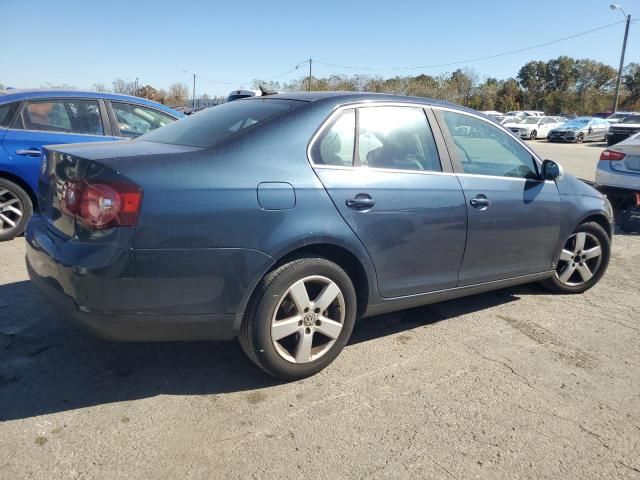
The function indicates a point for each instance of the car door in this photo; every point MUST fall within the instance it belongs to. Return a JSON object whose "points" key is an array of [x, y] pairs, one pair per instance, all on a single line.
{"points": [[399, 195], [599, 129], [513, 215], [51, 121], [131, 120]]}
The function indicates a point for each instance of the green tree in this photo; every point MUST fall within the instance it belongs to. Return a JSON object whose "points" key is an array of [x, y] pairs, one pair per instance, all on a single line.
{"points": [[631, 80], [534, 78]]}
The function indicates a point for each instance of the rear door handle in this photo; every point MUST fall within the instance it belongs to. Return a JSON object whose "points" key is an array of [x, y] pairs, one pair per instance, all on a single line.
{"points": [[361, 201], [481, 202], [30, 152]]}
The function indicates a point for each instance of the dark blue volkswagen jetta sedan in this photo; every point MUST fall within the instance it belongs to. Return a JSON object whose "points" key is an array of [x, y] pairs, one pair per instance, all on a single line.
{"points": [[282, 219]]}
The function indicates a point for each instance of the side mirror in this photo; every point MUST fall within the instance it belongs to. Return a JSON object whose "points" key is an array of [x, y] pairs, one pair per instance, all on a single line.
{"points": [[590, 130], [552, 170]]}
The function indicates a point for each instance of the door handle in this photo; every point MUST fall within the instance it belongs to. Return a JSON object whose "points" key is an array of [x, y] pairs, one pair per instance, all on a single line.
{"points": [[30, 152], [361, 201], [481, 202]]}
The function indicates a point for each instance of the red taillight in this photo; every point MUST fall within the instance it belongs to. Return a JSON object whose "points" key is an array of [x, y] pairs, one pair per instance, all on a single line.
{"points": [[102, 205], [612, 156]]}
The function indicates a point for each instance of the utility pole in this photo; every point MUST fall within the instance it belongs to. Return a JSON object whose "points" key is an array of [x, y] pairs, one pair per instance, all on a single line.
{"points": [[311, 63], [194, 92], [624, 47]]}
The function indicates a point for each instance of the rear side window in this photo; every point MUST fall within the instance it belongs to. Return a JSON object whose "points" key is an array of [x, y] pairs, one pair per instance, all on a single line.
{"points": [[335, 145], [213, 125], [398, 138], [7, 111], [63, 116], [135, 120], [484, 149]]}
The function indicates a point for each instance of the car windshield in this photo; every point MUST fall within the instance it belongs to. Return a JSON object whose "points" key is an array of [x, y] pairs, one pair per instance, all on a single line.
{"points": [[615, 116], [213, 125], [632, 119], [531, 120], [576, 123]]}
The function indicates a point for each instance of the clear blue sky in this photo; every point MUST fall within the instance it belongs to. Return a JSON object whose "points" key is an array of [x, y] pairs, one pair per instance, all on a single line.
{"points": [[86, 42]]}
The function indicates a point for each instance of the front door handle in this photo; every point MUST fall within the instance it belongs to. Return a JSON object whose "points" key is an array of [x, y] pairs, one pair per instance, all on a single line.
{"points": [[361, 201], [480, 202], [30, 152]]}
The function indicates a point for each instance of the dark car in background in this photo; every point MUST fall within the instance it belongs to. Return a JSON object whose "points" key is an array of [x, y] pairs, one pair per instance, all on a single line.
{"points": [[622, 130], [30, 119], [581, 129], [281, 219]]}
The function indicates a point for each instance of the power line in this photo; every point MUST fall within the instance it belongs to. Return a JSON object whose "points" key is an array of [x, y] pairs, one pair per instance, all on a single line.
{"points": [[488, 57], [242, 83]]}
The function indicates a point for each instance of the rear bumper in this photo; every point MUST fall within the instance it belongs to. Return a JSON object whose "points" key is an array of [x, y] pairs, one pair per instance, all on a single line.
{"points": [[159, 295]]}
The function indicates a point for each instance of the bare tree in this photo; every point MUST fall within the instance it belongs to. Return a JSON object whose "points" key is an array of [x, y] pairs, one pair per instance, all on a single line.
{"points": [[99, 87], [178, 94]]}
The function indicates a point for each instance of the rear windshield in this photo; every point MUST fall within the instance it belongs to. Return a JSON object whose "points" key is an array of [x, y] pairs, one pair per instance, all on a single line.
{"points": [[215, 124]]}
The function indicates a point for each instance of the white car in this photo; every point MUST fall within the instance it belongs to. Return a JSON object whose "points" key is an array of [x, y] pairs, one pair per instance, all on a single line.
{"points": [[533, 127], [618, 177], [619, 165]]}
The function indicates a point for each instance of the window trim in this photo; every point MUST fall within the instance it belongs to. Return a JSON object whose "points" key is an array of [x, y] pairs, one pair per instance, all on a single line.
{"points": [[114, 121], [446, 162], [457, 165], [18, 115]]}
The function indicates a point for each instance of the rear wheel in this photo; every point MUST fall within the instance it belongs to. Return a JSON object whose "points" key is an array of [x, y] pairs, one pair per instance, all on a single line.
{"points": [[300, 318], [15, 210], [583, 260]]}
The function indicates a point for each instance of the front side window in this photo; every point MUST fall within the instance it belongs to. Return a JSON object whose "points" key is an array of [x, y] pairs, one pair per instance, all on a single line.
{"points": [[396, 138], [64, 116], [335, 145], [484, 149], [135, 120], [213, 125], [7, 111]]}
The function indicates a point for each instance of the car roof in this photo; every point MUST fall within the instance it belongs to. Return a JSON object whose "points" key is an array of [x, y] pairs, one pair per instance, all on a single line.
{"points": [[357, 97], [25, 94]]}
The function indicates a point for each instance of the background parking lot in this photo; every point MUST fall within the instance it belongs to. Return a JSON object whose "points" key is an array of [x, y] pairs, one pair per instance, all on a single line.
{"points": [[511, 384]]}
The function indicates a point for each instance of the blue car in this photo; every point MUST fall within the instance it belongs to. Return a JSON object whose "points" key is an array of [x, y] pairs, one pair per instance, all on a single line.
{"points": [[30, 119], [281, 219]]}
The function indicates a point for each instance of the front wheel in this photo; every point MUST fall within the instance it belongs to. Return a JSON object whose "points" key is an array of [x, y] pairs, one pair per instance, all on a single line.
{"points": [[583, 260], [15, 210], [533, 135], [299, 318], [580, 138]]}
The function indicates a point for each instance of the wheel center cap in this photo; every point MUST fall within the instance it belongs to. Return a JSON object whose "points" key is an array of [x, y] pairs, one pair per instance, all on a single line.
{"points": [[309, 319]]}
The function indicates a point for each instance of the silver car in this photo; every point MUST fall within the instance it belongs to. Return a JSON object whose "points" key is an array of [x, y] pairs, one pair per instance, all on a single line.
{"points": [[579, 130], [618, 176]]}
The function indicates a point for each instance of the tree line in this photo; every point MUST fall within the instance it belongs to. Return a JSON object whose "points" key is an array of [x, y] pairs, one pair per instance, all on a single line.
{"points": [[560, 85], [563, 84]]}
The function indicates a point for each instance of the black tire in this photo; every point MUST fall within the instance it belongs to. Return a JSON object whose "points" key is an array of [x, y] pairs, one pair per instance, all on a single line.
{"points": [[610, 141], [555, 285], [23, 203], [580, 138], [533, 135], [255, 332]]}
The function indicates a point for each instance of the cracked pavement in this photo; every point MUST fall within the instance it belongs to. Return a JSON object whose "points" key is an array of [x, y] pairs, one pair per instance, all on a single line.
{"points": [[516, 383]]}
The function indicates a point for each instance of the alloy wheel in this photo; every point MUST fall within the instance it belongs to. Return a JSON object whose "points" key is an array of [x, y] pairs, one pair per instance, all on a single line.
{"points": [[533, 135], [11, 210], [580, 259], [580, 138], [308, 319]]}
